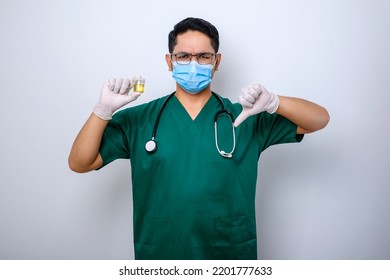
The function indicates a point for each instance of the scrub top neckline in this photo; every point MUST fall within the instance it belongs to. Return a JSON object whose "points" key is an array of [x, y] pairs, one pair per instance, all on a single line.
{"points": [[204, 113]]}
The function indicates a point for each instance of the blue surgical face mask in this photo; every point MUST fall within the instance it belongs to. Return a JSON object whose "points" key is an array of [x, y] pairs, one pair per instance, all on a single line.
{"points": [[193, 77]]}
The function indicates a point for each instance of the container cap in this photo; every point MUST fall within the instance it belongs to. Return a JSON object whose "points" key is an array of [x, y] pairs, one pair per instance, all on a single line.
{"points": [[138, 78]]}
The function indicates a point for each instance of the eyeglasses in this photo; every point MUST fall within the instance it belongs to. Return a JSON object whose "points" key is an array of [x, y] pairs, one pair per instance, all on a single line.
{"points": [[185, 58]]}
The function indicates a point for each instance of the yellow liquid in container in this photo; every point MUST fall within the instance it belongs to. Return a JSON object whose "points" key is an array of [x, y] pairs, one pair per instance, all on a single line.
{"points": [[139, 87]]}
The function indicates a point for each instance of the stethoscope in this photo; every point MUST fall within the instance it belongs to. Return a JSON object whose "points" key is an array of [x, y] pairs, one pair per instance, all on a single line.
{"points": [[151, 145]]}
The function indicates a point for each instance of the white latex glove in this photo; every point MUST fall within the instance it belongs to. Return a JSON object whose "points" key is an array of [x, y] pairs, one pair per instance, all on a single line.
{"points": [[254, 100], [114, 95]]}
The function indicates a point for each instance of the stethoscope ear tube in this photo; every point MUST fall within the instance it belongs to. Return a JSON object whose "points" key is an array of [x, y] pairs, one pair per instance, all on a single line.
{"points": [[217, 116]]}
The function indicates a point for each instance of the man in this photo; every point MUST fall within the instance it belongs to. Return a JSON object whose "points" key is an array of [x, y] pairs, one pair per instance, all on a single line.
{"points": [[194, 184]]}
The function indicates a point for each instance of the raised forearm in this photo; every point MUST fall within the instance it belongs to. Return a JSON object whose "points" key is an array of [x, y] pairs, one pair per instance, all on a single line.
{"points": [[84, 155], [308, 116]]}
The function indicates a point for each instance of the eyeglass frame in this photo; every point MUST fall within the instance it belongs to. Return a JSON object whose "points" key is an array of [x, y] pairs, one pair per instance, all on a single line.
{"points": [[197, 55]]}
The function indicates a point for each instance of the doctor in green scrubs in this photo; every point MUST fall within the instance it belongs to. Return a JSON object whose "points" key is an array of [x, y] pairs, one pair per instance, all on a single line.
{"points": [[194, 194]]}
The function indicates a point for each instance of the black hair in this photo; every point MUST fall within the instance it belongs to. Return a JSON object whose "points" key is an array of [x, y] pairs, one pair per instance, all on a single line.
{"points": [[196, 24]]}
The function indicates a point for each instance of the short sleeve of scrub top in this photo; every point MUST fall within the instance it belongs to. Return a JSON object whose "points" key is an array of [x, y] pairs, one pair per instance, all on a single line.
{"points": [[189, 202]]}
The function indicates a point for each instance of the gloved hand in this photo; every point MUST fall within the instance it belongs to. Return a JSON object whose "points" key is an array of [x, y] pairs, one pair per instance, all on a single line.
{"points": [[114, 95], [255, 99]]}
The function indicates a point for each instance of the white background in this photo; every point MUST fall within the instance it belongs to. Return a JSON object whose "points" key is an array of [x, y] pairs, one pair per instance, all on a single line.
{"points": [[326, 198]]}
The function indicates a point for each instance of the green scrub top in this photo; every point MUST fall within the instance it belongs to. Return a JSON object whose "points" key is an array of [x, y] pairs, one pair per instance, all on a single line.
{"points": [[190, 202]]}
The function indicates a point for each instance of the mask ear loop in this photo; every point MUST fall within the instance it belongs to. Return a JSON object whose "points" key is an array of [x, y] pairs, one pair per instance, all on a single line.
{"points": [[217, 116]]}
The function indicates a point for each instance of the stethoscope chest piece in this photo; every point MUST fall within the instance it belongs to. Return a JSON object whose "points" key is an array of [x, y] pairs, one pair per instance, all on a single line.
{"points": [[151, 146]]}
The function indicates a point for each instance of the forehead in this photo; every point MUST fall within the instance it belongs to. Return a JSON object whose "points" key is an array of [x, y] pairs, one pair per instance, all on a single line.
{"points": [[193, 42]]}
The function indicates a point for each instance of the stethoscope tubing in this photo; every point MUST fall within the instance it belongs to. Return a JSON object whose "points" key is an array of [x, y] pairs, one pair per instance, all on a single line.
{"points": [[151, 145]]}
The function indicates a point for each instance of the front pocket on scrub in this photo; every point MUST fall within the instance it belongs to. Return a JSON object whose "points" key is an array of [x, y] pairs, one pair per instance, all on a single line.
{"points": [[233, 230]]}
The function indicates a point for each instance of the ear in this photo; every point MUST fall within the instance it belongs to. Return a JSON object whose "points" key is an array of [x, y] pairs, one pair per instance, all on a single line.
{"points": [[169, 62], [218, 59]]}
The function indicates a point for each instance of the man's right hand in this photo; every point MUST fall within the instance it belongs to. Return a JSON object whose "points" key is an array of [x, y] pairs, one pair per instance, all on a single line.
{"points": [[114, 95]]}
